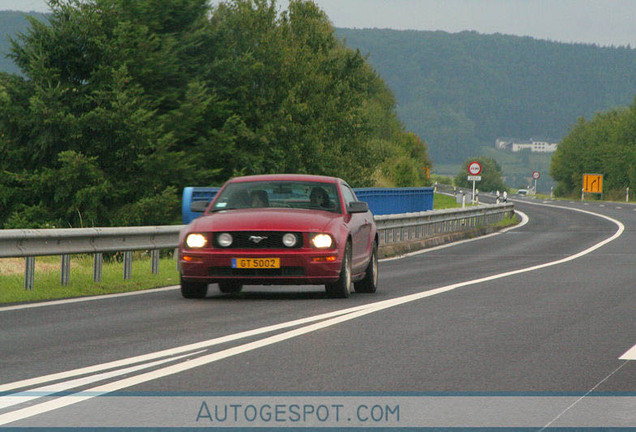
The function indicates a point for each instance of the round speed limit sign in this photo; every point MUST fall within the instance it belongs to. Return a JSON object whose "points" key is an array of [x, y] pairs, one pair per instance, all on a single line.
{"points": [[536, 175], [474, 168]]}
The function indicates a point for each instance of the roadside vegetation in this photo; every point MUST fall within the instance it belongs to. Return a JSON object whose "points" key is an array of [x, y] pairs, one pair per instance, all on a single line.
{"points": [[606, 145], [47, 278], [441, 202], [507, 222]]}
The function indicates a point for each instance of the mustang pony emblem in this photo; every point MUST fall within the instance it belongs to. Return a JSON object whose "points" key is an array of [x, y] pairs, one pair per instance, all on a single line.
{"points": [[257, 239]]}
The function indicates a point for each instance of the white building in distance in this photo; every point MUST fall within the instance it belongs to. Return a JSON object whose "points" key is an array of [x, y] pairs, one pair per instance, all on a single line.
{"points": [[535, 145]]}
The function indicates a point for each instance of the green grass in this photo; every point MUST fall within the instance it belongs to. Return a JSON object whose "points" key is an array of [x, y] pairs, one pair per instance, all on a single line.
{"points": [[506, 222], [47, 281], [444, 202]]}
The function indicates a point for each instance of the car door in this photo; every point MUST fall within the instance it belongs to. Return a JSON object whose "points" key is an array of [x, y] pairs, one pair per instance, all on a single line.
{"points": [[360, 228]]}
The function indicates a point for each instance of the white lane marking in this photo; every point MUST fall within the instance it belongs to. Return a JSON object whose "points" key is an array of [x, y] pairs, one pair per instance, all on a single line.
{"points": [[84, 299], [629, 355], [22, 397], [344, 316], [171, 352]]}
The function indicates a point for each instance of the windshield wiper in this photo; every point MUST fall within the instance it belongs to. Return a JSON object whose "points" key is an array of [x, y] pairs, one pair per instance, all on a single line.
{"points": [[223, 208]]}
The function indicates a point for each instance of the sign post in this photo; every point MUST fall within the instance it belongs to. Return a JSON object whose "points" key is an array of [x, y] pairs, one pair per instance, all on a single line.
{"points": [[474, 169], [536, 176]]}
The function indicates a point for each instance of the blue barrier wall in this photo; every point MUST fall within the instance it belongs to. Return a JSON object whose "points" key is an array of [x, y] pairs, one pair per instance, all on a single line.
{"points": [[191, 194], [381, 201]]}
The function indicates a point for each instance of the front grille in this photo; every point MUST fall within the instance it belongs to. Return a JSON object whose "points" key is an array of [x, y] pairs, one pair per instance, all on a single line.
{"points": [[259, 240], [283, 271]]}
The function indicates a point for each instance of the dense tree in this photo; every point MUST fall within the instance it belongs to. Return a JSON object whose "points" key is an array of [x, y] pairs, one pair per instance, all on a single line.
{"points": [[123, 103], [606, 145], [105, 80]]}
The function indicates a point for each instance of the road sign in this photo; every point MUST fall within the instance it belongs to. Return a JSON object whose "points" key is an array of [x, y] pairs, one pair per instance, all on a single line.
{"points": [[536, 175], [474, 178], [474, 168], [593, 183]]}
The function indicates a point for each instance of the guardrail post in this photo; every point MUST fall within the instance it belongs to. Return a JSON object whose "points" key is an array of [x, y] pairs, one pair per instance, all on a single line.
{"points": [[154, 261], [127, 265], [98, 264], [65, 270], [29, 273]]}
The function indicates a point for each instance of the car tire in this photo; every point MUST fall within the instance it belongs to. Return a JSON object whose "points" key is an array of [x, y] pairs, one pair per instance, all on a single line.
{"points": [[193, 289], [230, 287], [370, 282], [342, 287]]}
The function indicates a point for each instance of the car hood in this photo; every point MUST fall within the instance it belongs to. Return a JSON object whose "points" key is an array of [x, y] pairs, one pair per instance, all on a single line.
{"points": [[268, 219]]}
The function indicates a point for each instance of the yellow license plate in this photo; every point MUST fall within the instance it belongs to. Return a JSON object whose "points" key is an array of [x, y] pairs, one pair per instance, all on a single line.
{"points": [[256, 263]]}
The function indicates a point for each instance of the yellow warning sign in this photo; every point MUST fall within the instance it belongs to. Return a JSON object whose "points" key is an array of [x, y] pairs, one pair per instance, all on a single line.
{"points": [[593, 183]]}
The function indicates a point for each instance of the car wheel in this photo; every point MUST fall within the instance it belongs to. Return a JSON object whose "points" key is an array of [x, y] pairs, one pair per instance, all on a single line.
{"points": [[193, 289], [230, 287], [342, 288], [370, 282]]}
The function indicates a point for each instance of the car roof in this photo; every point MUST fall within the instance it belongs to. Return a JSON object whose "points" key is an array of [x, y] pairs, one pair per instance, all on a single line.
{"points": [[286, 177]]}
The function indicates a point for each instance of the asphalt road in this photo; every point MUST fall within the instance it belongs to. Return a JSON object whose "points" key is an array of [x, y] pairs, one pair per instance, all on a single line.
{"points": [[539, 309]]}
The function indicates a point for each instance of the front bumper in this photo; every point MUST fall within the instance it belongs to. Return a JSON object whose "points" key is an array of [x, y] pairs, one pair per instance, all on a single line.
{"points": [[297, 267]]}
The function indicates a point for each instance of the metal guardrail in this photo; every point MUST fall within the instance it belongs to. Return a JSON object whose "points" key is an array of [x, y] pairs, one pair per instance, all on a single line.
{"points": [[415, 226], [65, 242]]}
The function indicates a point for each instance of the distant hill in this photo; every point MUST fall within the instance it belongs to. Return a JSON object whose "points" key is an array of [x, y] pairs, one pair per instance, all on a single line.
{"points": [[12, 23], [461, 91]]}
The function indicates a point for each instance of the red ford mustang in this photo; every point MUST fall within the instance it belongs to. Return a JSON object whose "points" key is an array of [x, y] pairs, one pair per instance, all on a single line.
{"points": [[280, 229]]}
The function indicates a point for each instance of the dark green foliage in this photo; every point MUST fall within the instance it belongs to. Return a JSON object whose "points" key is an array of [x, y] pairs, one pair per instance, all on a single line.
{"points": [[122, 103], [606, 145], [491, 174], [461, 91]]}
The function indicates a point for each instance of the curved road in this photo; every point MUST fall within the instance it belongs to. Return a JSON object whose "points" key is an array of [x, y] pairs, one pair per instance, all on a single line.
{"points": [[521, 312]]}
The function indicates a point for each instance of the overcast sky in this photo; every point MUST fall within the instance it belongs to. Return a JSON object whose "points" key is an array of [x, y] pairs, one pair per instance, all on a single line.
{"points": [[604, 22]]}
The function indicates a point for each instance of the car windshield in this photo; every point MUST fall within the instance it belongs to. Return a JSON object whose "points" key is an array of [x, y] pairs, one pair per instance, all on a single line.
{"points": [[278, 194]]}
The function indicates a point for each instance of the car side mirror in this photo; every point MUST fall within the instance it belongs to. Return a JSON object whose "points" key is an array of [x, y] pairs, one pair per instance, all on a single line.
{"points": [[358, 207], [199, 206]]}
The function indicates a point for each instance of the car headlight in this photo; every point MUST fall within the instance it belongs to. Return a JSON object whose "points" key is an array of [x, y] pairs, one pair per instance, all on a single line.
{"points": [[322, 241], [290, 240], [195, 241], [224, 239]]}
